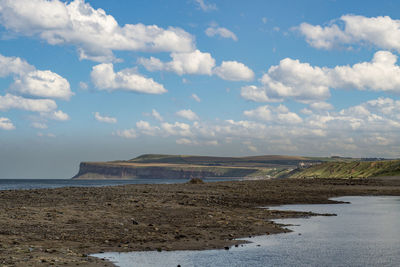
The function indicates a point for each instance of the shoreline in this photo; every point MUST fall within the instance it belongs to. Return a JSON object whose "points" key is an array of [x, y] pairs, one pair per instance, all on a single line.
{"points": [[41, 227]]}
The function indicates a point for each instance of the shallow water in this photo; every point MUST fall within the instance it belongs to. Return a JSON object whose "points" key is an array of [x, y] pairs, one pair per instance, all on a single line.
{"points": [[365, 233], [18, 184]]}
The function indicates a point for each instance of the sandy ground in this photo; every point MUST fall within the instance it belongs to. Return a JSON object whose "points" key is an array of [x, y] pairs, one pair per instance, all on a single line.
{"points": [[60, 227]]}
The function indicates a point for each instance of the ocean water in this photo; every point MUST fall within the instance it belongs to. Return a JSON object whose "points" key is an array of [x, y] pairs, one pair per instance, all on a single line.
{"points": [[18, 184], [364, 233]]}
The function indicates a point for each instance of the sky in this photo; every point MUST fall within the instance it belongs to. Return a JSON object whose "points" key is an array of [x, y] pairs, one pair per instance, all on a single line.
{"points": [[106, 80]]}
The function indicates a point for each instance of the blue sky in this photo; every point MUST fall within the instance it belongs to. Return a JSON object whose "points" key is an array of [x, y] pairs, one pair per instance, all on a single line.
{"points": [[106, 80]]}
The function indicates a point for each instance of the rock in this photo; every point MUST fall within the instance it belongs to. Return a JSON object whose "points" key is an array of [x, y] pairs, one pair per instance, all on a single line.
{"points": [[226, 248], [196, 181]]}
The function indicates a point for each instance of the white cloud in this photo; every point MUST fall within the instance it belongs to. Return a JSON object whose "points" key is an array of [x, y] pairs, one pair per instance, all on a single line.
{"points": [[293, 79], [128, 134], [17, 102], [220, 31], [382, 32], [95, 33], [6, 124], [234, 71], [369, 129], [195, 62], [306, 83], [280, 114], [14, 66], [321, 106], [187, 114], [206, 7], [262, 113], [42, 84], [178, 128], [32, 82], [147, 129], [105, 119], [104, 78], [56, 115], [256, 94], [381, 74], [156, 115], [196, 98], [39, 125]]}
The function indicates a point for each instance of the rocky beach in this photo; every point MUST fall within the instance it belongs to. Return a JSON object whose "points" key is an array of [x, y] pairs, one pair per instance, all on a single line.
{"points": [[61, 227]]}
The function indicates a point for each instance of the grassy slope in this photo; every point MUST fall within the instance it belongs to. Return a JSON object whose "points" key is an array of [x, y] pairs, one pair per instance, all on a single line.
{"points": [[354, 169]]}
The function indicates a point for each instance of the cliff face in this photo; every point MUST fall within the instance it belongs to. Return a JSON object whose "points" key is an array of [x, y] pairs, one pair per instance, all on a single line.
{"points": [[89, 170]]}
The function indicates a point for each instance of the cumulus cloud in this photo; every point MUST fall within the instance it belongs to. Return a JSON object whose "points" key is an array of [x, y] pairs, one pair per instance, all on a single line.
{"points": [[32, 82], [105, 78], [205, 6], [382, 32], [257, 94], [198, 62], [42, 84], [14, 66], [95, 33], [177, 128], [364, 129], [128, 134], [105, 119], [187, 114], [9, 101], [57, 115], [321, 106], [220, 31], [196, 98], [195, 62], [280, 114], [306, 83], [234, 71], [6, 124], [145, 128]]}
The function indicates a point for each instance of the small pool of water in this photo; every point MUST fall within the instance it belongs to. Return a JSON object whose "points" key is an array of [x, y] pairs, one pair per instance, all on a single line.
{"points": [[364, 233]]}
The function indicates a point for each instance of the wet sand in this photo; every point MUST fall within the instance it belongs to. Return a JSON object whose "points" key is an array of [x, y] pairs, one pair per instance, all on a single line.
{"points": [[60, 227]]}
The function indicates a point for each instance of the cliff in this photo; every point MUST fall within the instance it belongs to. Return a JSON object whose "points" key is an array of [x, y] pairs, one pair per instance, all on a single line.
{"points": [[89, 170], [185, 167]]}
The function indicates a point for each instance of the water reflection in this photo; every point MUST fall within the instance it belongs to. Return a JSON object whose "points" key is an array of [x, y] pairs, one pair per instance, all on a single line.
{"points": [[365, 233]]}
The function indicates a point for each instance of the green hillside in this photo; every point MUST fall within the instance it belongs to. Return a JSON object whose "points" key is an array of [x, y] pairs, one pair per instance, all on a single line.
{"points": [[355, 169]]}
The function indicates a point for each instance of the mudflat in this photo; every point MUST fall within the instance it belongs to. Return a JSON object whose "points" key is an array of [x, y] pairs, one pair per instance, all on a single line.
{"points": [[60, 227]]}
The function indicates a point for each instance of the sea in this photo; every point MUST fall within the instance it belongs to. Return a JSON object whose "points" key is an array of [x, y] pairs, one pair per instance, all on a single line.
{"points": [[23, 184], [364, 233]]}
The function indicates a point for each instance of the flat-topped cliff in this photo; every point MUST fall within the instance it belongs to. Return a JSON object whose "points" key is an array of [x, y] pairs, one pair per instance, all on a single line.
{"points": [[185, 167]]}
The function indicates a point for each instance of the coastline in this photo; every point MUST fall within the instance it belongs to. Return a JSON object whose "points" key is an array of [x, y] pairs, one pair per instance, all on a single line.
{"points": [[62, 226]]}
